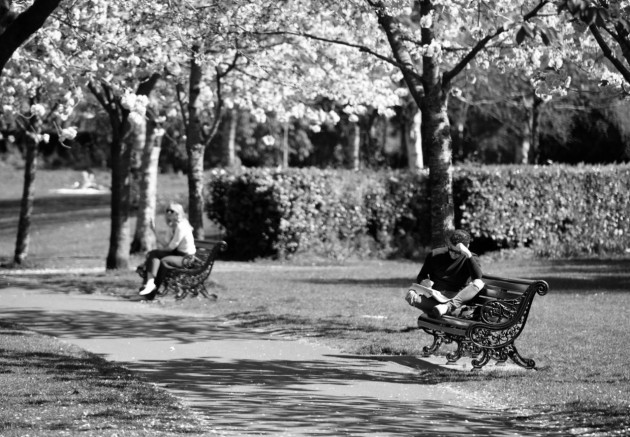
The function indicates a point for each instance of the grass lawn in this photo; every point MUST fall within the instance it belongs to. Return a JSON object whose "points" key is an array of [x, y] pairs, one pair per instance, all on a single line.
{"points": [[53, 388], [578, 333]]}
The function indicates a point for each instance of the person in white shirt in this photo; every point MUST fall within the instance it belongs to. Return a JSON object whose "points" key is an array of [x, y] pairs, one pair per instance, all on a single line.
{"points": [[180, 245]]}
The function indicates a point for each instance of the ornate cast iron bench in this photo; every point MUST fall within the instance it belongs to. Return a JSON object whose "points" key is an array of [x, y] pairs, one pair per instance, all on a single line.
{"points": [[501, 311], [192, 277]]}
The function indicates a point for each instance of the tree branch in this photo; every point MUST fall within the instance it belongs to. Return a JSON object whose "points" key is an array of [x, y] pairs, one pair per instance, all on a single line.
{"points": [[179, 90], [608, 53], [449, 75], [25, 25], [359, 47]]}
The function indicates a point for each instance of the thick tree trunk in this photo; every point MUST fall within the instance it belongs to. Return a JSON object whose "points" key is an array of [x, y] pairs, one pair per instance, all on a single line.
{"points": [[436, 131], [144, 238], [195, 149], [431, 97], [26, 205]]}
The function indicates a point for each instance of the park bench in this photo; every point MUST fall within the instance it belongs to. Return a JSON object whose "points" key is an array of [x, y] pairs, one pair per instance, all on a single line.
{"points": [[190, 279], [500, 313]]}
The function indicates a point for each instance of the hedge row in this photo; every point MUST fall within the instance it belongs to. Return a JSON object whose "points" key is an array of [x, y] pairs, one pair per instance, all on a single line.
{"points": [[556, 210], [559, 211]]}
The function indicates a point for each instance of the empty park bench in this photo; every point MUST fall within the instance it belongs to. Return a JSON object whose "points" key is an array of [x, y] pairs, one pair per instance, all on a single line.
{"points": [[191, 278], [500, 313]]}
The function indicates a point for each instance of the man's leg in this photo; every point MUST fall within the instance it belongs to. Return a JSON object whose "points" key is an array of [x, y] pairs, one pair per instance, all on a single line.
{"points": [[424, 303], [465, 294]]}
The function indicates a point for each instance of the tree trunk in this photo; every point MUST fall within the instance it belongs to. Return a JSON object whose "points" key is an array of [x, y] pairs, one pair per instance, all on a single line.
{"points": [[26, 205], [535, 152], [195, 149], [229, 138], [285, 145], [144, 238], [136, 140], [415, 157], [354, 143], [119, 238], [436, 131]]}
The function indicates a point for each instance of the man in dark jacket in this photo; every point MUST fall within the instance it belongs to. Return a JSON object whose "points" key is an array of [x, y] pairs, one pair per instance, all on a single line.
{"points": [[450, 277]]}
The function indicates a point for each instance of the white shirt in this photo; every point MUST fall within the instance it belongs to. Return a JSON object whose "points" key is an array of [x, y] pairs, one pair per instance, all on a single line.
{"points": [[183, 239]]}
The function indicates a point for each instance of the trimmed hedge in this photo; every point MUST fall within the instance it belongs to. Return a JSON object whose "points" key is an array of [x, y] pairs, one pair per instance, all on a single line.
{"points": [[555, 210], [559, 211]]}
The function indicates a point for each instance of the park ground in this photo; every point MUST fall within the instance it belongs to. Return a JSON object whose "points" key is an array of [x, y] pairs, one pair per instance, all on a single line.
{"points": [[578, 333]]}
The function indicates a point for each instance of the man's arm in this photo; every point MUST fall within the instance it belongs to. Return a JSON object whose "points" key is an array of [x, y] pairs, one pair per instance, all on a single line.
{"points": [[426, 268]]}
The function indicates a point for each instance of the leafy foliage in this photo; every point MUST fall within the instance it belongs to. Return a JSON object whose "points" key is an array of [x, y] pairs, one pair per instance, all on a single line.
{"points": [[555, 210]]}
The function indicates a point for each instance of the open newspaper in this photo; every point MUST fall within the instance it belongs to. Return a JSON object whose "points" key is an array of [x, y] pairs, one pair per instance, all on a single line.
{"points": [[428, 292]]}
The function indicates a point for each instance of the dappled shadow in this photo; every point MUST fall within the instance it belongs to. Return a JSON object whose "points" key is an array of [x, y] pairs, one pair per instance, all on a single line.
{"points": [[560, 419], [272, 397], [247, 381], [108, 325], [322, 327]]}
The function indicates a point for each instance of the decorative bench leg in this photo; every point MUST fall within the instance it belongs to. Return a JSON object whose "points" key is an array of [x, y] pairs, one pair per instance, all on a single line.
{"points": [[452, 357], [482, 361], [430, 350], [518, 359], [502, 357]]}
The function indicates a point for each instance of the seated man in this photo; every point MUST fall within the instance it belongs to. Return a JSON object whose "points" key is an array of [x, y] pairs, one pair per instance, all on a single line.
{"points": [[453, 273]]}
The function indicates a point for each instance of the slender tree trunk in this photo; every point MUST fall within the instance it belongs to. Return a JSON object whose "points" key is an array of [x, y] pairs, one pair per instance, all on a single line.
{"points": [[535, 152], [229, 138], [144, 238], [415, 157], [522, 157], [26, 205], [354, 143], [285, 145], [136, 140], [195, 149]]}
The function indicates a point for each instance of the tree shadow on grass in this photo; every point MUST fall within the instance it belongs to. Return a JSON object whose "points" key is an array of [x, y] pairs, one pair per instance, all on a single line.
{"points": [[284, 397], [563, 276], [73, 389], [57, 210]]}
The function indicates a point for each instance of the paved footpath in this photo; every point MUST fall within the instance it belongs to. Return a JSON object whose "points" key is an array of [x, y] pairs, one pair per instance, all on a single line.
{"points": [[246, 382]]}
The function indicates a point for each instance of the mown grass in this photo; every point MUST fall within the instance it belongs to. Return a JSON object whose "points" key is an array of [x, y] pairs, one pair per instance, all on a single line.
{"points": [[577, 333], [53, 388]]}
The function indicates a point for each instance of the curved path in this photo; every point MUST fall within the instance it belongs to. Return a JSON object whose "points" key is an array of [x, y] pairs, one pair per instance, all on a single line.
{"points": [[246, 382]]}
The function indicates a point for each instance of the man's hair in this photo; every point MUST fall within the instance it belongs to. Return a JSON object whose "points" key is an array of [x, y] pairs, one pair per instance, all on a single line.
{"points": [[458, 236]]}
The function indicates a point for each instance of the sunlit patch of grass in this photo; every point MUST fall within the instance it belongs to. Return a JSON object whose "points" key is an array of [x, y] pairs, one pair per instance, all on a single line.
{"points": [[50, 388]]}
